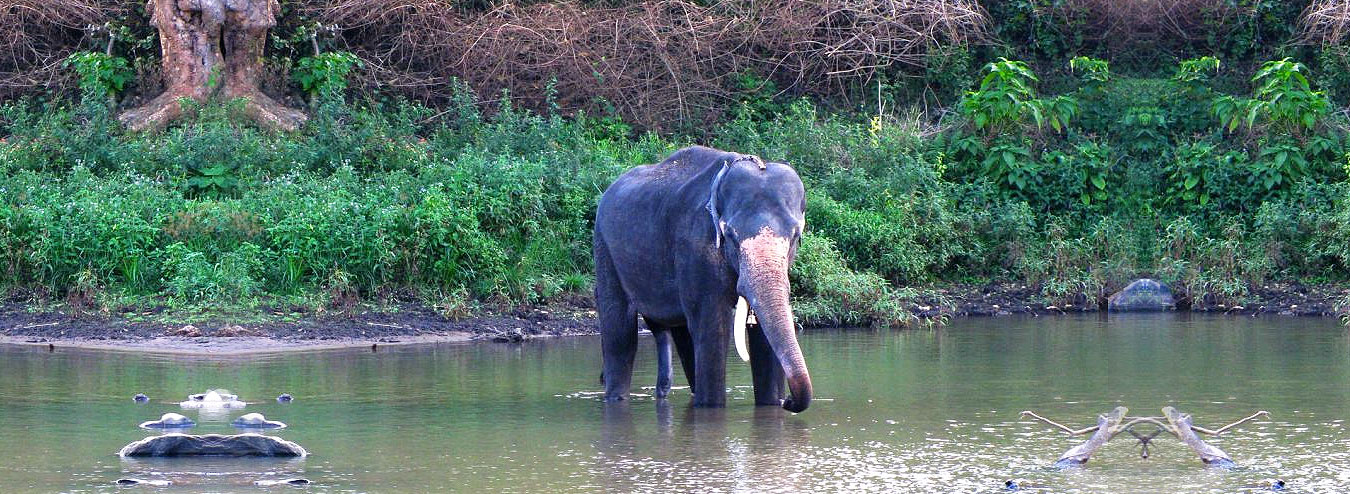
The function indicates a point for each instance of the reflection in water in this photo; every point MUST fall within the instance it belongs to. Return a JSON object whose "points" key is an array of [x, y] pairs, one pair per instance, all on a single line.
{"points": [[902, 412], [617, 431], [189, 473]]}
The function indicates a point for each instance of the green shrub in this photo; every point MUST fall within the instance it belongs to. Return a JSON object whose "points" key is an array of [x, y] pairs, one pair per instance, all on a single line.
{"points": [[375, 199], [100, 74], [828, 293], [191, 278], [325, 74], [1283, 98], [1006, 101]]}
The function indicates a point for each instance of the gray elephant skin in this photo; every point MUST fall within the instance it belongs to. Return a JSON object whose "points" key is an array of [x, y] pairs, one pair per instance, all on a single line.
{"points": [[678, 243]]}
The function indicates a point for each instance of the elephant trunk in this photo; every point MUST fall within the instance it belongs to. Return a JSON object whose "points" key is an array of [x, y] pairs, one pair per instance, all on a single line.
{"points": [[764, 284]]}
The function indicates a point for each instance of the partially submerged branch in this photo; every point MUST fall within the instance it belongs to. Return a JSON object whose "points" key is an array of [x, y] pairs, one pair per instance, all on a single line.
{"points": [[1144, 440], [1063, 427], [1108, 425], [1182, 427], [1221, 430], [1113, 423]]}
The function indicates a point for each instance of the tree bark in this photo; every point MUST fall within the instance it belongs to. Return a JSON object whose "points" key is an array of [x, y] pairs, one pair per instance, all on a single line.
{"points": [[1184, 430], [1107, 427], [209, 48], [1177, 423]]}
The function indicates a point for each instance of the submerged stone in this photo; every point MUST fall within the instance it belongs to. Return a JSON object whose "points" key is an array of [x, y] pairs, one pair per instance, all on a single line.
{"points": [[156, 483], [256, 421], [295, 481], [213, 399], [169, 421], [213, 445], [1142, 295]]}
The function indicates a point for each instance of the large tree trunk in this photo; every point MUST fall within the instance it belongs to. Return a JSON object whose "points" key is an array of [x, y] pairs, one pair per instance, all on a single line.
{"points": [[212, 47]]}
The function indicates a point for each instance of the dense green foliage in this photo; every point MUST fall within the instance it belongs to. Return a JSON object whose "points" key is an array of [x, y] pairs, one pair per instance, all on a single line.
{"points": [[1065, 157], [384, 200]]}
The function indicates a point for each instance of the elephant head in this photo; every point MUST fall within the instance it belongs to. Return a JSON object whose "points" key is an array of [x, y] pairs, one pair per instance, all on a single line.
{"points": [[758, 213]]}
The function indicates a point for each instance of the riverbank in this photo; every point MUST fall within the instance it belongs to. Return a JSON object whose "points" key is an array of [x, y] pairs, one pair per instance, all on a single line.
{"points": [[998, 299], [412, 323], [398, 325]]}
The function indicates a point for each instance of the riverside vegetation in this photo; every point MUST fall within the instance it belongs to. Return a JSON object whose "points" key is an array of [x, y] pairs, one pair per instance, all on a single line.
{"points": [[1213, 173]]}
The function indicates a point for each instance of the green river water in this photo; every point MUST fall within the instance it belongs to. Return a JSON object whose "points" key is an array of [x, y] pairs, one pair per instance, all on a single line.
{"points": [[919, 411]]}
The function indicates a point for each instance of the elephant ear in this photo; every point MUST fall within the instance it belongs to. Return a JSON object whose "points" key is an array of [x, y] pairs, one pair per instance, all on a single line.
{"points": [[718, 225]]}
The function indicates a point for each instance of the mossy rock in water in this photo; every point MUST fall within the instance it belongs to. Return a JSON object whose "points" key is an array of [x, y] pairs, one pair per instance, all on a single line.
{"points": [[213, 445], [1142, 295]]}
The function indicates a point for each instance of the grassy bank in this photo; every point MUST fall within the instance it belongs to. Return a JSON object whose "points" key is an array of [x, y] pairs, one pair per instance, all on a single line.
{"points": [[1211, 153], [377, 201]]}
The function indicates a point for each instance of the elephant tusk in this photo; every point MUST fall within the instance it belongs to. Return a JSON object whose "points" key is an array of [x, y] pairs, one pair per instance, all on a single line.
{"points": [[738, 329]]}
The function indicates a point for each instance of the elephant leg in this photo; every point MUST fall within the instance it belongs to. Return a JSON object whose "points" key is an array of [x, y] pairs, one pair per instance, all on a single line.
{"points": [[664, 373], [711, 334], [618, 327], [684, 345], [765, 369]]}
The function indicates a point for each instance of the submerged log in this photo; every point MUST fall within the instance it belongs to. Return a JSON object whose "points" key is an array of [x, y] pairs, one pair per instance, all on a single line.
{"points": [[1144, 440], [1113, 423], [1185, 430], [1106, 425], [1182, 427]]}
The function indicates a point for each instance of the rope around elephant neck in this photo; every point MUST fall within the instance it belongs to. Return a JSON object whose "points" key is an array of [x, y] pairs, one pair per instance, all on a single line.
{"points": [[712, 193]]}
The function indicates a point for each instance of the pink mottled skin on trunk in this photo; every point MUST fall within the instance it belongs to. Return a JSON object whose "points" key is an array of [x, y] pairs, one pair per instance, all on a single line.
{"points": [[764, 275]]}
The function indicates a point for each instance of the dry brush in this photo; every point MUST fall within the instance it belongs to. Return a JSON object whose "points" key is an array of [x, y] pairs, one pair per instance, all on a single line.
{"points": [[657, 62]]}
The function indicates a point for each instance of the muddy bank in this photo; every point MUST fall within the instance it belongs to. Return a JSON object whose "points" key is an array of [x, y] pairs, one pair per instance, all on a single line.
{"points": [[405, 324], [412, 323], [997, 299]]}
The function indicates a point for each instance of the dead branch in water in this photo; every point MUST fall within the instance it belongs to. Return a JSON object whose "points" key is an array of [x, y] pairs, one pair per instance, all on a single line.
{"points": [[1108, 425], [1113, 423]]}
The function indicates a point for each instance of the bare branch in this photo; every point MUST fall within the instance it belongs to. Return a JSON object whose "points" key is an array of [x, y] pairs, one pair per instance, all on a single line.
{"points": [[1254, 416], [657, 62], [1325, 22], [1065, 428]]}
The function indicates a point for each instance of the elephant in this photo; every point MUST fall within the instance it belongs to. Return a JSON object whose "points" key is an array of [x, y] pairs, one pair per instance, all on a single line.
{"points": [[682, 243]]}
